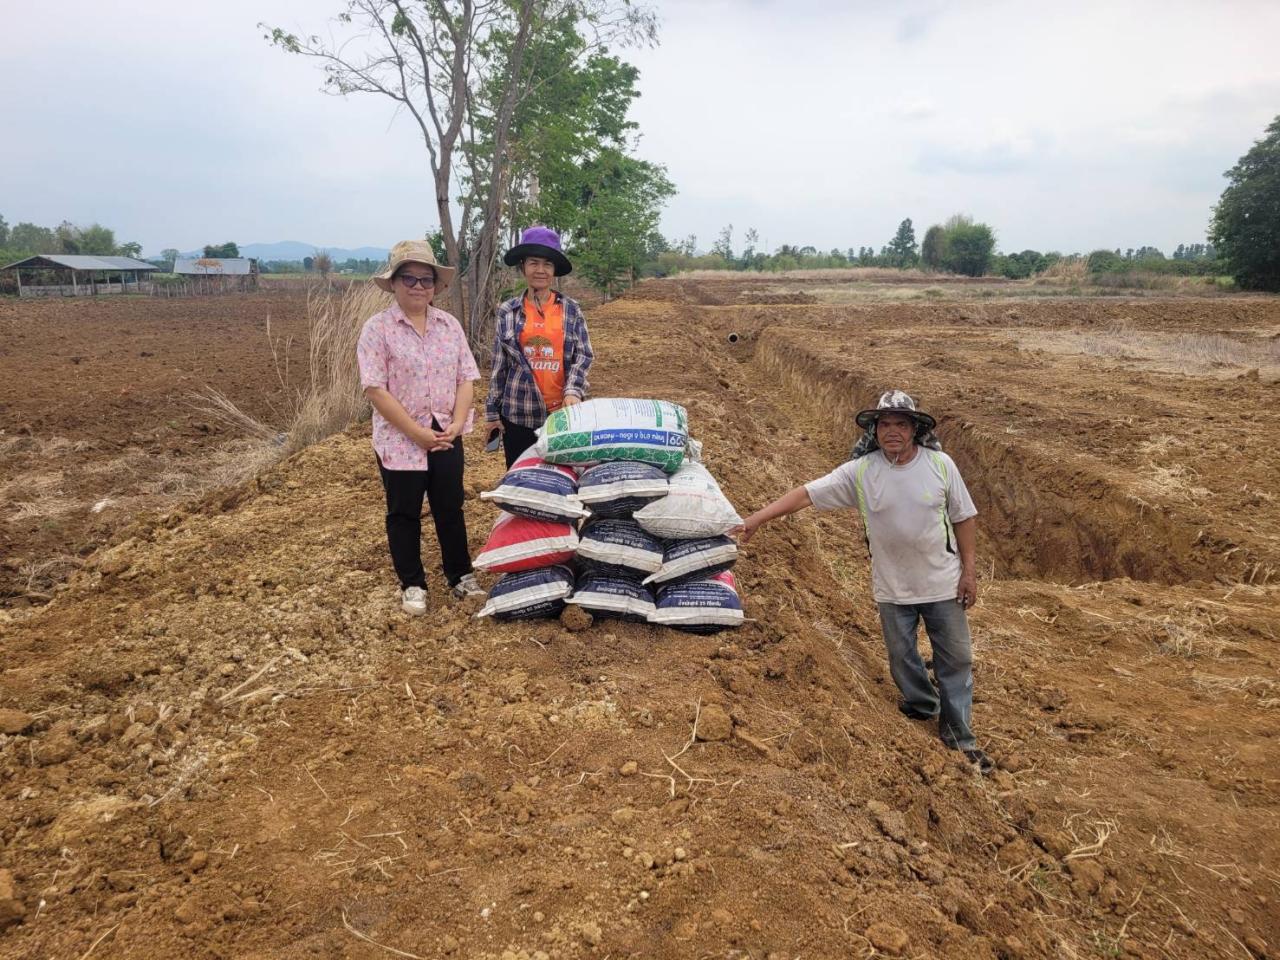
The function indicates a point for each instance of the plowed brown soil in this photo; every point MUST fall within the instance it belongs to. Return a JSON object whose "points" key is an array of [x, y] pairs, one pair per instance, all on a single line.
{"points": [[98, 406], [228, 742]]}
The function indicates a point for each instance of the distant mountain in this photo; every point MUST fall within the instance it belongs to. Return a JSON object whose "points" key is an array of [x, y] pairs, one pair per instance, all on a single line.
{"points": [[294, 250]]}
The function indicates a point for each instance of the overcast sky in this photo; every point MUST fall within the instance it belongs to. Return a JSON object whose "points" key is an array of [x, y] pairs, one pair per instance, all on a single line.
{"points": [[1065, 126]]}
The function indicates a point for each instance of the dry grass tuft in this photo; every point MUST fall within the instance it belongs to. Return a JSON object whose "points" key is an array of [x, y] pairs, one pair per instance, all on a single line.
{"points": [[333, 399], [1264, 689], [216, 405], [39, 578], [1067, 271], [1190, 640], [330, 401]]}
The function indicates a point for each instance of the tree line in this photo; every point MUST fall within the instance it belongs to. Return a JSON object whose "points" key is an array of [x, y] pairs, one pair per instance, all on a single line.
{"points": [[960, 245], [25, 239]]}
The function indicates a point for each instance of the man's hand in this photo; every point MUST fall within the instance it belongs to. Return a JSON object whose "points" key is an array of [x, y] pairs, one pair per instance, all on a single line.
{"points": [[492, 425], [967, 590], [745, 530], [572, 399]]}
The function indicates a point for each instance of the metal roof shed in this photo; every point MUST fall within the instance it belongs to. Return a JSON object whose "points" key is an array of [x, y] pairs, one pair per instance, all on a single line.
{"points": [[217, 274], [94, 274], [214, 266]]}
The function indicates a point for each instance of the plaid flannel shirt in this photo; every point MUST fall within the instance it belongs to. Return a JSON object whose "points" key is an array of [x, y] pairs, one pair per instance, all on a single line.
{"points": [[513, 393]]}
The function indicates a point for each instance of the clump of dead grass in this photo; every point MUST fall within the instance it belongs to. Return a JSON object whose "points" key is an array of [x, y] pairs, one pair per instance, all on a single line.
{"points": [[1069, 270], [333, 399], [1190, 639], [1265, 690], [37, 579], [328, 402]]}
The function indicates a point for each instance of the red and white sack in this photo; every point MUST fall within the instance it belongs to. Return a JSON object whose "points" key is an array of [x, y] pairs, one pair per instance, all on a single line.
{"points": [[518, 543]]}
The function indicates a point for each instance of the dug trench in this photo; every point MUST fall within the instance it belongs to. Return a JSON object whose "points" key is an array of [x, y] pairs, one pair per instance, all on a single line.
{"points": [[1045, 515], [225, 741]]}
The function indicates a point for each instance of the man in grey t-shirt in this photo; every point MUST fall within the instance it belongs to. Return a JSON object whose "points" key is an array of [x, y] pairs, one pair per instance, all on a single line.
{"points": [[920, 527]]}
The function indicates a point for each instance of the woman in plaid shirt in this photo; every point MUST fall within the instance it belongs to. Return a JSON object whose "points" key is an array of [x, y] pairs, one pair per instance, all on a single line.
{"points": [[541, 350]]}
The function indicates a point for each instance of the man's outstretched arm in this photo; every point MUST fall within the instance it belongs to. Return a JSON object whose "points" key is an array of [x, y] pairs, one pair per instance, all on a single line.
{"points": [[790, 502]]}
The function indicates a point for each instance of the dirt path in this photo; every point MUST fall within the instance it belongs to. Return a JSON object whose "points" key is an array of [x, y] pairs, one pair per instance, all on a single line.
{"points": [[239, 748]]}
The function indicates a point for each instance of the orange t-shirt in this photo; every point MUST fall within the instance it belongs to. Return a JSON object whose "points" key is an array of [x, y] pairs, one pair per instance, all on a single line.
{"points": [[542, 341]]}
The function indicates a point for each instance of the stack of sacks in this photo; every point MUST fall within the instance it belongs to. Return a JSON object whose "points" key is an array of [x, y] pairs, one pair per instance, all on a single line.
{"points": [[696, 591], [533, 540], [647, 531], [656, 521], [632, 445]]}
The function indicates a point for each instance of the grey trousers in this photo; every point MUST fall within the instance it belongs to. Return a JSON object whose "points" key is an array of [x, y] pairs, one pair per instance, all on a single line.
{"points": [[948, 629]]}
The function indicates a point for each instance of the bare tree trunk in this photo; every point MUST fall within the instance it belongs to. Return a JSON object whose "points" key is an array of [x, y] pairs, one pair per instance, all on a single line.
{"points": [[484, 256]]}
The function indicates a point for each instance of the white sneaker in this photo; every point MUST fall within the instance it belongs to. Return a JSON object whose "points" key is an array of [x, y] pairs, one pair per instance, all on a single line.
{"points": [[414, 601], [468, 587]]}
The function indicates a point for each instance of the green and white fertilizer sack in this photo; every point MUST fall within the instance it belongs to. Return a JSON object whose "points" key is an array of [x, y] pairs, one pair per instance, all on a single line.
{"points": [[605, 430]]}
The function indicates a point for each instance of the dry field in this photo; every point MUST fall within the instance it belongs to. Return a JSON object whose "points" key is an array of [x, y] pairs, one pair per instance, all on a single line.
{"points": [[99, 416], [233, 745]]}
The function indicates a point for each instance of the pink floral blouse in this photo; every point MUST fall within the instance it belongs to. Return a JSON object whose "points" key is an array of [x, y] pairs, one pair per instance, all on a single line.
{"points": [[422, 372]]}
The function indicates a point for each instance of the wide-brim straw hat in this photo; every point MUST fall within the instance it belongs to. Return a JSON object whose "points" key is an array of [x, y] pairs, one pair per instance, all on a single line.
{"points": [[895, 401], [414, 251], [539, 242]]}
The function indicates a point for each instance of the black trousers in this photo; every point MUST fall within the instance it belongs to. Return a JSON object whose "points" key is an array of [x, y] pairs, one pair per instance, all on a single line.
{"points": [[516, 440], [441, 484]]}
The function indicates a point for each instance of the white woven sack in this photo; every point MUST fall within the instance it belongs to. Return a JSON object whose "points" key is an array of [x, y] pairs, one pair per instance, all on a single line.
{"points": [[693, 508]]}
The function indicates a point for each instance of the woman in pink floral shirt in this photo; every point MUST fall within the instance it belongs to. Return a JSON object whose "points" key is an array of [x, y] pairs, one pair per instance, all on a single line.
{"points": [[418, 372]]}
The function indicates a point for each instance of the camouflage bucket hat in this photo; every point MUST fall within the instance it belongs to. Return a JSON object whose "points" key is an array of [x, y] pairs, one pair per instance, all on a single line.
{"points": [[895, 401]]}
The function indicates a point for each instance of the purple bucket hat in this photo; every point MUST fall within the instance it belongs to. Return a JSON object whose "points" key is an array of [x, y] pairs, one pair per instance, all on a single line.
{"points": [[539, 242]]}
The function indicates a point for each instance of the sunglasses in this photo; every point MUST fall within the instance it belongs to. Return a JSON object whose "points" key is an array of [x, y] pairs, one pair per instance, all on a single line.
{"points": [[412, 282]]}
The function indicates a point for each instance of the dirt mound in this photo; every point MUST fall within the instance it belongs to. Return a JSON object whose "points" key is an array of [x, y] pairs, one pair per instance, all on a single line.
{"points": [[223, 739], [775, 297]]}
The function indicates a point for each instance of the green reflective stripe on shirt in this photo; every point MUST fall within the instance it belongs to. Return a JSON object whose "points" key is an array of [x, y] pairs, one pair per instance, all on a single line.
{"points": [[857, 487], [862, 500], [941, 464]]}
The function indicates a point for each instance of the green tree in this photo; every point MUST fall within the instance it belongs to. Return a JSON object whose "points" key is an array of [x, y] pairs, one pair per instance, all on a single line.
{"points": [[461, 70], [97, 240], [1246, 221], [308, 264], [170, 256], [619, 217], [68, 235], [724, 243], [569, 144], [902, 248], [933, 248], [32, 239], [960, 245], [217, 251], [1104, 261], [323, 263], [130, 249], [969, 248], [4, 232]]}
